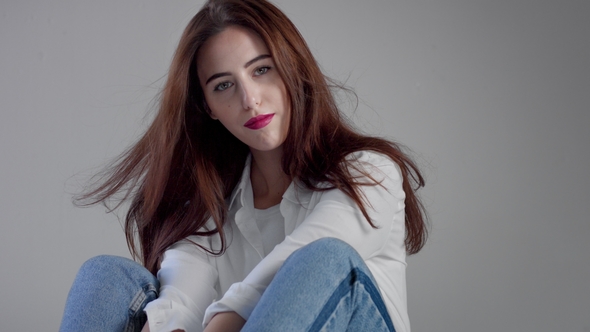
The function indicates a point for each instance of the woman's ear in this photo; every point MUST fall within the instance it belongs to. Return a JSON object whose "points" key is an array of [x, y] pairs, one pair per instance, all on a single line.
{"points": [[208, 110]]}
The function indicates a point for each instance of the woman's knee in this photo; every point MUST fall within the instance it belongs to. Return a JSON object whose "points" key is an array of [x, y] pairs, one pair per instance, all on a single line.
{"points": [[327, 254], [333, 247], [105, 265], [109, 286], [107, 268], [329, 244]]}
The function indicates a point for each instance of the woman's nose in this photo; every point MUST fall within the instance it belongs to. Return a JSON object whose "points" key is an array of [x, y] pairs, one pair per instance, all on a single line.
{"points": [[250, 95]]}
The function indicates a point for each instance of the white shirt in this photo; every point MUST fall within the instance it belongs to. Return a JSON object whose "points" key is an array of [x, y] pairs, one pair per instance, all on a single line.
{"points": [[192, 280]]}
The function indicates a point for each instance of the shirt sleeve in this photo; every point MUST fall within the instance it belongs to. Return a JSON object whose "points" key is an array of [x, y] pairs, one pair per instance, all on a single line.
{"points": [[335, 215], [187, 287]]}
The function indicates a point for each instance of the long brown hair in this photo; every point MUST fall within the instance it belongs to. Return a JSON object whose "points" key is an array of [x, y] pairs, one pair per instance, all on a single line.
{"points": [[180, 172]]}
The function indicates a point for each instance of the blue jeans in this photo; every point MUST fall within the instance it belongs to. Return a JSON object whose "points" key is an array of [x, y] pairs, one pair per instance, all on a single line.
{"points": [[324, 286], [109, 294]]}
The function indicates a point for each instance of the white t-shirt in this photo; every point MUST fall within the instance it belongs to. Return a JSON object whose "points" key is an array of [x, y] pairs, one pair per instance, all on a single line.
{"points": [[196, 285], [271, 225]]}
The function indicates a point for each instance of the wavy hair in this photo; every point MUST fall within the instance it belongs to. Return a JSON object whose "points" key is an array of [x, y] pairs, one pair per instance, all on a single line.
{"points": [[179, 174]]}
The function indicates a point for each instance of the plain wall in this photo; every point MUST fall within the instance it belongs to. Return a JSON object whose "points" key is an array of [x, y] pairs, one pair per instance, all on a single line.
{"points": [[492, 97]]}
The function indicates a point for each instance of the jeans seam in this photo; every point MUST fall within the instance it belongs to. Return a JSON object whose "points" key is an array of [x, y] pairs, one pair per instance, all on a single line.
{"points": [[355, 275], [376, 298], [136, 305]]}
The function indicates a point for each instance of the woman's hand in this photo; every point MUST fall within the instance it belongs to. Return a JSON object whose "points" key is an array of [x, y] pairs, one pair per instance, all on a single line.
{"points": [[225, 322]]}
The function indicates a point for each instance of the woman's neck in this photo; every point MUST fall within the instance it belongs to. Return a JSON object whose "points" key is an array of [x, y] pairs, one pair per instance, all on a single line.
{"points": [[269, 182]]}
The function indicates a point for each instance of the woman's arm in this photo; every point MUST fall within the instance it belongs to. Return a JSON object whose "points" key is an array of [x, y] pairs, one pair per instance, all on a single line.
{"points": [[335, 215], [187, 287], [225, 322]]}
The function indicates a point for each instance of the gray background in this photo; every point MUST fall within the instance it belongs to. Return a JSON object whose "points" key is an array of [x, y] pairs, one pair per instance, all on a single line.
{"points": [[492, 96]]}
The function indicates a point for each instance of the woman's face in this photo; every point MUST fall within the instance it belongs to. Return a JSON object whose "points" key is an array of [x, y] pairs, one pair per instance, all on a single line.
{"points": [[243, 88]]}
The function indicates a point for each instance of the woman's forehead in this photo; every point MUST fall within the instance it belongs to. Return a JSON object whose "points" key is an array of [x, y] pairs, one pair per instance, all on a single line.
{"points": [[233, 46]]}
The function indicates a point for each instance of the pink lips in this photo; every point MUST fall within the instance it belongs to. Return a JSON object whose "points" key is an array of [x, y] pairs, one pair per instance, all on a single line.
{"points": [[259, 122]]}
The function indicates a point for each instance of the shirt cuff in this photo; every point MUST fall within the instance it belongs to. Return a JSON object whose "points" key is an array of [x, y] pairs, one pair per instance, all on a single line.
{"points": [[166, 315], [240, 298]]}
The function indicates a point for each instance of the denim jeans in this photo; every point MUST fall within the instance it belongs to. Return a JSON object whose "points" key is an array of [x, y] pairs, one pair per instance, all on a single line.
{"points": [[324, 286], [109, 294]]}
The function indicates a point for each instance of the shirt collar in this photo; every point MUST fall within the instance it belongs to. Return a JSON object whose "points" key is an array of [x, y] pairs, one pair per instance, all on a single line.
{"points": [[243, 185]]}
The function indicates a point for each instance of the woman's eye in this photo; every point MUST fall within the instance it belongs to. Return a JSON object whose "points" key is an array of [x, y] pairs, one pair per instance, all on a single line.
{"points": [[261, 71], [222, 86]]}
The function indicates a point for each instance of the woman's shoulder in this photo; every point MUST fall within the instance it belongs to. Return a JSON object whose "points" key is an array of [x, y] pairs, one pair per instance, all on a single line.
{"points": [[367, 160], [374, 166]]}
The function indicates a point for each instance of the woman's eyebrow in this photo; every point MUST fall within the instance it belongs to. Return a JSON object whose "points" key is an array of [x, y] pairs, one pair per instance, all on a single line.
{"points": [[214, 76], [246, 65], [260, 57]]}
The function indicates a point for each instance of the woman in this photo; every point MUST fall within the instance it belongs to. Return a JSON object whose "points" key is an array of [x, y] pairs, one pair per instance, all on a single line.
{"points": [[257, 206]]}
